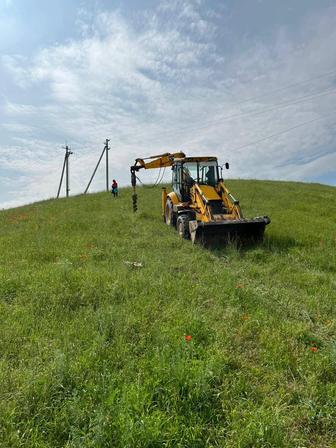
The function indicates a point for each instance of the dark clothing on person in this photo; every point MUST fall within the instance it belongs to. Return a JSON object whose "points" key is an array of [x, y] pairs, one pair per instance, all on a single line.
{"points": [[210, 175], [114, 188]]}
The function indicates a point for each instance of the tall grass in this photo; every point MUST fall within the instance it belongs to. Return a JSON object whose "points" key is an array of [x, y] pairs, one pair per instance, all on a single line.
{"points": [[93, 350]]}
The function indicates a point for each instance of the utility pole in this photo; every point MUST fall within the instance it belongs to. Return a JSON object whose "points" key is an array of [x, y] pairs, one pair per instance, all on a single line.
{"points": [[107, 163], [105, 150], [66, 169], [60, 184], [67, 155]]}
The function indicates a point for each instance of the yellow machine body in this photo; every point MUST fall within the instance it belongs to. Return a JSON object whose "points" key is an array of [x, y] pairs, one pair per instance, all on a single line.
{"points": [[200, 206]]}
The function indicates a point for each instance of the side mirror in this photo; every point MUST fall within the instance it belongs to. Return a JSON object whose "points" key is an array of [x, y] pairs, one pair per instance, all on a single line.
{"points": [[227, 166]]}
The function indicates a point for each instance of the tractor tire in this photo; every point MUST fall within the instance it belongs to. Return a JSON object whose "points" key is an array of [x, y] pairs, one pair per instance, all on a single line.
{"points": [[170, 217], [182, 226]]}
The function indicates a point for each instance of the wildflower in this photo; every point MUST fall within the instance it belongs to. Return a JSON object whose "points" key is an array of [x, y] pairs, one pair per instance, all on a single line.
{"points": [[188, 337], [239, 285], [313, 349]]}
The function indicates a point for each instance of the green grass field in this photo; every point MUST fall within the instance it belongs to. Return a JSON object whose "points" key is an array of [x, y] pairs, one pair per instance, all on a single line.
{"points": [[93, 350]]}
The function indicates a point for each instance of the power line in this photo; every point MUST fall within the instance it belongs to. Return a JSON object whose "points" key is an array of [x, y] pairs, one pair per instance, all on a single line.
{"points": [[206, 124], [270, 109], [255, 112], [284, 131], [288, 86], [276, 134], [280, 105]]}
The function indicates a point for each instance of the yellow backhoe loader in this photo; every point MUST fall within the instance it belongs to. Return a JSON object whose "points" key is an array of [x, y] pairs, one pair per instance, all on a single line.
{"points": [[200, 205]]}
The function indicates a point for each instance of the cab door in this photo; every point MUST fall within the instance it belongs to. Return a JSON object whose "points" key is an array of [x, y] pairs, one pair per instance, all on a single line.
{"points": [[177, 180]]}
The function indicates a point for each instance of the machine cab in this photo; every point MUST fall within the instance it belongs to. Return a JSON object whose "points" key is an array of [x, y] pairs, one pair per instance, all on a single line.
{"points": [[188, 171]]}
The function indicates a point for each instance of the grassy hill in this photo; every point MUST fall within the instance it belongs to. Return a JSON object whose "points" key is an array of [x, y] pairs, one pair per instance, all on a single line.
{"points": [[93, 350]]}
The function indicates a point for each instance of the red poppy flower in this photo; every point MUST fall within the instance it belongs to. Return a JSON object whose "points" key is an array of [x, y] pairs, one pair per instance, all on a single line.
{"points": [[188, 338], [313, 349]]}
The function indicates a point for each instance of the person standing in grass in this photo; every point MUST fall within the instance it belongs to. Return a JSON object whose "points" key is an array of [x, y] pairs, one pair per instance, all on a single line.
{"points": [[115, 188]]}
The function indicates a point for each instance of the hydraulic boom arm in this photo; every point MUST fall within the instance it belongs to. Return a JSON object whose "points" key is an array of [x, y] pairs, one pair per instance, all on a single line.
{"points": [[159, 161]]}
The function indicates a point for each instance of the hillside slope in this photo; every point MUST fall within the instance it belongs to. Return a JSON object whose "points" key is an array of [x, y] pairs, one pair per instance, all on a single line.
{"points": [[93, 350]]}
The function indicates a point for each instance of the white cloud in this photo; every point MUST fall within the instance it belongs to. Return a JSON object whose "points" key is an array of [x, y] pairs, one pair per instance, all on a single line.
{"points": [[165, 84]]}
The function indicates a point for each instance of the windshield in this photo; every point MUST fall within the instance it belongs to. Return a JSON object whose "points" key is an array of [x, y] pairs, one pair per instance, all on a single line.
{"points": [[200, 172]]}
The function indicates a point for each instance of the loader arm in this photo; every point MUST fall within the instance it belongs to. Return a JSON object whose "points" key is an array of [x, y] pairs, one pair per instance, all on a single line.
{"points": [[201, 202], [219, 216], [230, 202]]}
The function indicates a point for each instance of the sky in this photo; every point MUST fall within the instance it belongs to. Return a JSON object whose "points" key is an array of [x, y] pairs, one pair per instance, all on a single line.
{"points": [[250, 81]]}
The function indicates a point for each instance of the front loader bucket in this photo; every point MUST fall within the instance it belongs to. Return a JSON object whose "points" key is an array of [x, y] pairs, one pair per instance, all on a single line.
{"points": [[223, 232]]}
